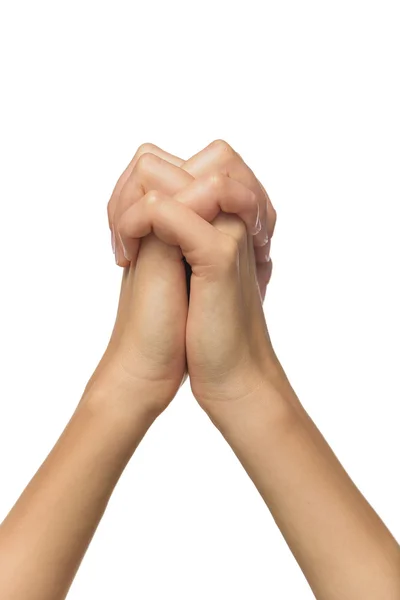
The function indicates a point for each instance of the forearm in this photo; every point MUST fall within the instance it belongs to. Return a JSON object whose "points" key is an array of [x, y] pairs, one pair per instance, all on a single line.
{"points": [[46, 534], [342, 546]]}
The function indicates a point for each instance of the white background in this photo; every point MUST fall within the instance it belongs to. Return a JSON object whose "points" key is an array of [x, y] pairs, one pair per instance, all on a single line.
{"points": [[308, 93]]}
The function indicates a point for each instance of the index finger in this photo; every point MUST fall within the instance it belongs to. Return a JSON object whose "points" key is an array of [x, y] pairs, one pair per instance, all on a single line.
{"points": [[220, 156], [146, 148]]}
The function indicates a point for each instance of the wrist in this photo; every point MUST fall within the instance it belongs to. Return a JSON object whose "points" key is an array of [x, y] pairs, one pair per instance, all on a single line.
{"points": [[264, 390], [120, 397], [267, 414]]}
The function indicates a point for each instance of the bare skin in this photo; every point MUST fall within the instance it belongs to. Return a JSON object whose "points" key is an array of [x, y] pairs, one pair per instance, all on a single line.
{"points": [[220, 336]]}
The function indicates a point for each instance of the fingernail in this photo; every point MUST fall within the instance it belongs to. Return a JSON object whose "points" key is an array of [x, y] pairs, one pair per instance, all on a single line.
{"points": [[267, 251], [112, 240], [257, 226], [124, 250]]}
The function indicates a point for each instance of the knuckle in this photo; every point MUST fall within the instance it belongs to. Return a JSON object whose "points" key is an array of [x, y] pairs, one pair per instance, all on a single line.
{"points": [[146, 148], [145, 162], [216, 182], [152, 197], [223, 148]]}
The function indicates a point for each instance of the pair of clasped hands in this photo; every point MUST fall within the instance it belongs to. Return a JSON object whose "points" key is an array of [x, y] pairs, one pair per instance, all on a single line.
{"points": [[213, 211]]}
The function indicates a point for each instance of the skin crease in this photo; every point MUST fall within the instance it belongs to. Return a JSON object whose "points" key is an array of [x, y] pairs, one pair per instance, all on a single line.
{"points": [[220, 336]]}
